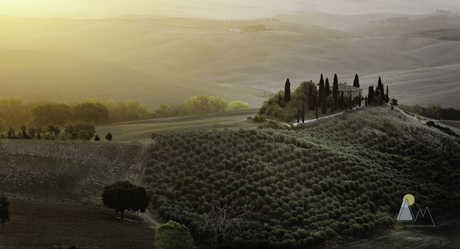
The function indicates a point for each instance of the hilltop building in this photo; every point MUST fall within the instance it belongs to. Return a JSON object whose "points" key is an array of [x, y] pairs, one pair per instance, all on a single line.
{"points": [[345, 88]]}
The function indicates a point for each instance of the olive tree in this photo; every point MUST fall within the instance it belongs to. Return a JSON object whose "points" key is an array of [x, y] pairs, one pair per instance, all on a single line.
{"points": [[173, 235]]}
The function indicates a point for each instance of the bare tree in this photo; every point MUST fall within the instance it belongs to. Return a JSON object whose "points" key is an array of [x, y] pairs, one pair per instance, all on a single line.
{"points": [[219, 228]]}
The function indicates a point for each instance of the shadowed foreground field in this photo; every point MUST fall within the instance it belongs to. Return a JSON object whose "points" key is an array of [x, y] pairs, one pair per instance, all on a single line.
{"points": [[41, 224]]}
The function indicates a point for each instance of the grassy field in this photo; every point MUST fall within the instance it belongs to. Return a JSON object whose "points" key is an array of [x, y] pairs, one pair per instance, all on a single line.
{"points": [[74, 170], [44, 224], [453, 124], [142, 130]]}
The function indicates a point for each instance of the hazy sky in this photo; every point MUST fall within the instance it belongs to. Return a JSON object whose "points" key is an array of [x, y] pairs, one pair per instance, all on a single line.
{"points": [[217, 8]]}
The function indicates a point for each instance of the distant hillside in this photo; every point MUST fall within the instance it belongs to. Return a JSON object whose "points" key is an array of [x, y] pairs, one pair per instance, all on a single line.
{"points": [[198, 56], [38, 75]]}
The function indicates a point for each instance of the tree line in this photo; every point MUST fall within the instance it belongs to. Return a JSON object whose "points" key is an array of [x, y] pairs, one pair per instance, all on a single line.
{"points": [[433, 110], [198, 105], [14, 112]]}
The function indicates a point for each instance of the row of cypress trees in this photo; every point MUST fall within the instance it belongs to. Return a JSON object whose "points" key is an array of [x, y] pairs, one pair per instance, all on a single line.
{"points": [[318, 97], [378, 96]]}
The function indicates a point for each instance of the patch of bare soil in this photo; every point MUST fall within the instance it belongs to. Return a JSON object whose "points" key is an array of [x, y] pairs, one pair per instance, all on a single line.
{"points": [[43, 224]]}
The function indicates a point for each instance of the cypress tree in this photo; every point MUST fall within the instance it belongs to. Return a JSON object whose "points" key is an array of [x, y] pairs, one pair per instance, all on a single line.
{"points": [[370, 95], [356, 81], [335, 92], [324, 103], [321, 89], [380, 87], [327, 88], [387, 99], [287, 91]]}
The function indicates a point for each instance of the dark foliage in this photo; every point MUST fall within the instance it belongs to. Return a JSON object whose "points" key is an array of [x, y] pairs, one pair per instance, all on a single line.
{"points": [[4, 212], [287, 91], [307, 186], [123, 195]]}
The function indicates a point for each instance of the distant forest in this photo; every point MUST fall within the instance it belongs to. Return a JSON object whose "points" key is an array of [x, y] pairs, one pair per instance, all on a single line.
{"points": [[44, 119], [198, 105], [15, 112]]}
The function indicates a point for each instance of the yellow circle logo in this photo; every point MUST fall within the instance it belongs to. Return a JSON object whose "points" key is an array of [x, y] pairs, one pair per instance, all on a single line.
{"points": [[410, 199]]}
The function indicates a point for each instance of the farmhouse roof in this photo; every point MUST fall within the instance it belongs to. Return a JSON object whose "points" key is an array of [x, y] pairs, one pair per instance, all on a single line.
{"points": [[344, 87]]}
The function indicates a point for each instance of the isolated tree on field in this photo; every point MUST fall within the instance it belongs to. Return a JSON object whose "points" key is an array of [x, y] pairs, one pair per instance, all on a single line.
{"points": [[320, 90], [219, 228], [4, 212], [287, 91], [97, 138], [173, 235], [108, 136], [123, 195], [356, 81]]}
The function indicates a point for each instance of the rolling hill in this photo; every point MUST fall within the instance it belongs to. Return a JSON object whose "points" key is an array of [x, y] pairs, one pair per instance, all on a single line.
{"points": [[36, 75], [142, 57]]}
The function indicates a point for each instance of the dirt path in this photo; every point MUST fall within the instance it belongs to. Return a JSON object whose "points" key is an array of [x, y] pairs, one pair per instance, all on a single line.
{"points": [[135, 174]]}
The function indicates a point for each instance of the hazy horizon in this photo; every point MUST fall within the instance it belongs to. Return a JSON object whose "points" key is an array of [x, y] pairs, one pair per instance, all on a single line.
{"points": [[217, 9]]}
